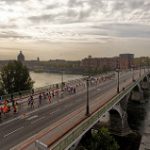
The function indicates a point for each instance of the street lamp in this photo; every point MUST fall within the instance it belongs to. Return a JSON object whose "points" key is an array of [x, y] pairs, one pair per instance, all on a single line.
{"points": [[133, 74], [140, 68], [87, 85], [148, 63], [118, 82], [62, 81], [118, 76], [87, 102]]}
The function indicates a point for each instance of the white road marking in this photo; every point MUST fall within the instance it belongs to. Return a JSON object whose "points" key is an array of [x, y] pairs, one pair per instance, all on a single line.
{"points": [[53, 112], [37, 120], [33, 117], [13, 132]]}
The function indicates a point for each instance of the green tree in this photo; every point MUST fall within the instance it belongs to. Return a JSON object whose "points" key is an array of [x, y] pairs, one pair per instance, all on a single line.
{"points": [[100, 140], [1, 87], [104, 141], [15, 77]]}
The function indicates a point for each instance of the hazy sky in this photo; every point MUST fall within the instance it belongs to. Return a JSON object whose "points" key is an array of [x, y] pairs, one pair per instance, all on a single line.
{"points": [[73, 29]]}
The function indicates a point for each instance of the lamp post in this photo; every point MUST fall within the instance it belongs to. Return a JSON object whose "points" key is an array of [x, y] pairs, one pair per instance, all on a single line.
{"points": [[87, 85], [118, 82], [133, 74], [87, 100], [118, 76], [62, 78], [148, 64], [140, 68]]}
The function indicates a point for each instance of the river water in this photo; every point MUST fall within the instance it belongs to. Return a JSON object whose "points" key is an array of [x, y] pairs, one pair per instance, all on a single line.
{"points": [[44, 79]]}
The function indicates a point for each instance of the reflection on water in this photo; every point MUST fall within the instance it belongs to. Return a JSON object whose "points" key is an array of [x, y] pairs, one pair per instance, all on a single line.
{"points": [[44, 79]]}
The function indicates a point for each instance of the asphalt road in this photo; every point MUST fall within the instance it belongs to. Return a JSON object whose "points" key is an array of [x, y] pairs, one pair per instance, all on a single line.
{"points": [[15, 131]]}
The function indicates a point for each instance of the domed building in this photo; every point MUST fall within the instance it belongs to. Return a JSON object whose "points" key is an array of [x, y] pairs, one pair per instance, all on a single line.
{"points": [[21, 57]]}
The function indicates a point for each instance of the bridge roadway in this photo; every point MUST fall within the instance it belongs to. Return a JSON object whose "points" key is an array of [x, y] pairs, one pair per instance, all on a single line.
{"points": [[16, 131]]}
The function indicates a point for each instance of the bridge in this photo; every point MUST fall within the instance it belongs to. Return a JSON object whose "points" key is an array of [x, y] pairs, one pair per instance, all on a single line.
{"points": [[61, 124]]}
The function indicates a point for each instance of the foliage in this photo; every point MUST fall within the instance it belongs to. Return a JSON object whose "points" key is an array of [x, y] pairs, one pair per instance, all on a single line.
{"points": [[101, 140], [1, 87], [15, 77]]}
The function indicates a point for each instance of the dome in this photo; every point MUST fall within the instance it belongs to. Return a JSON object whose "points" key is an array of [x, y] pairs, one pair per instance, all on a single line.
{"points": [[21, 57]]}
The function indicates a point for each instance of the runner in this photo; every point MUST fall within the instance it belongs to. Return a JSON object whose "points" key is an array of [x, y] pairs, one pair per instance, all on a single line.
{"points": [[49, 98], [40, 100], [15, 106], [32, 102]]}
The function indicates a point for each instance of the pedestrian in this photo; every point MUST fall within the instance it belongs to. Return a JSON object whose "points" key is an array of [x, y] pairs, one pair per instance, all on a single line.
{"points": [[32, 91], [12, 101], [49, 98], [53, 95], [15, 106], [74, 90], [32, 101], [40, 100]]}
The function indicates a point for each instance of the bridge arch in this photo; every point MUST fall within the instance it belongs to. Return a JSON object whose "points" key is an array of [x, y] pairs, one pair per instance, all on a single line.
{"points": [[115, 123], [148, 75], [145, 79], [137, 93], [136, 89]]}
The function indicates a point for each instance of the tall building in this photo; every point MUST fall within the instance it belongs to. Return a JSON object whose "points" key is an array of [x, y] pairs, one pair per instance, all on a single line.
{"points": [[21, 57], [126, 61]]}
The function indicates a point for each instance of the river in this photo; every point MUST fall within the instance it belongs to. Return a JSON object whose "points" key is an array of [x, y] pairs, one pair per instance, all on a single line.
{"points": [[44, 79]]}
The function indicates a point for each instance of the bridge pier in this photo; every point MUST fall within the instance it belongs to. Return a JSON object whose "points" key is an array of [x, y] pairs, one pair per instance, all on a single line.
{"points": [[118, 124], [145, 84], [137, 94]]}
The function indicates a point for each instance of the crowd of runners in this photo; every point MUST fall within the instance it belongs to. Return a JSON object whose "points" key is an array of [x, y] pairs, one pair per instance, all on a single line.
{"points": [[38, 98]]}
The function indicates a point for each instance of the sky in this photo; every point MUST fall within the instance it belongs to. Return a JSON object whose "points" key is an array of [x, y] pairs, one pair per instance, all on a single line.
{"points": [[74, 29]]}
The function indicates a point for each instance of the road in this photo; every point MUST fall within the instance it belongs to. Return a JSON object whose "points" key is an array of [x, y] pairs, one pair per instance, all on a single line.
{"points": [[17, 130]]}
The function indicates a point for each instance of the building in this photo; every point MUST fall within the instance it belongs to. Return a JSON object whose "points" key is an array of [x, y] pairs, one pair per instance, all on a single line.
{"points": [[21, 57], [101, 64], [126, 61]]}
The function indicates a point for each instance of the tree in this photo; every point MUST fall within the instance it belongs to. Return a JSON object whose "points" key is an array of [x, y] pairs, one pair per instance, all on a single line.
{"points": [[1, 88], [104, 141], [15, 77], [100, 140]]}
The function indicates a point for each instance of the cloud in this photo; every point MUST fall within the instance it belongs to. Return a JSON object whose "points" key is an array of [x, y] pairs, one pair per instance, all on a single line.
{"points": [[126, 30], [42, 18], [7, 26], [13, 1], [74, 19], [52, 6], [12, 34]]}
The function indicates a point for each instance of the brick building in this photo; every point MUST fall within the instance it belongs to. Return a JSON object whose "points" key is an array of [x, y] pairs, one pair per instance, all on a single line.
{"points": [[126, 61], [99, 63]]}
